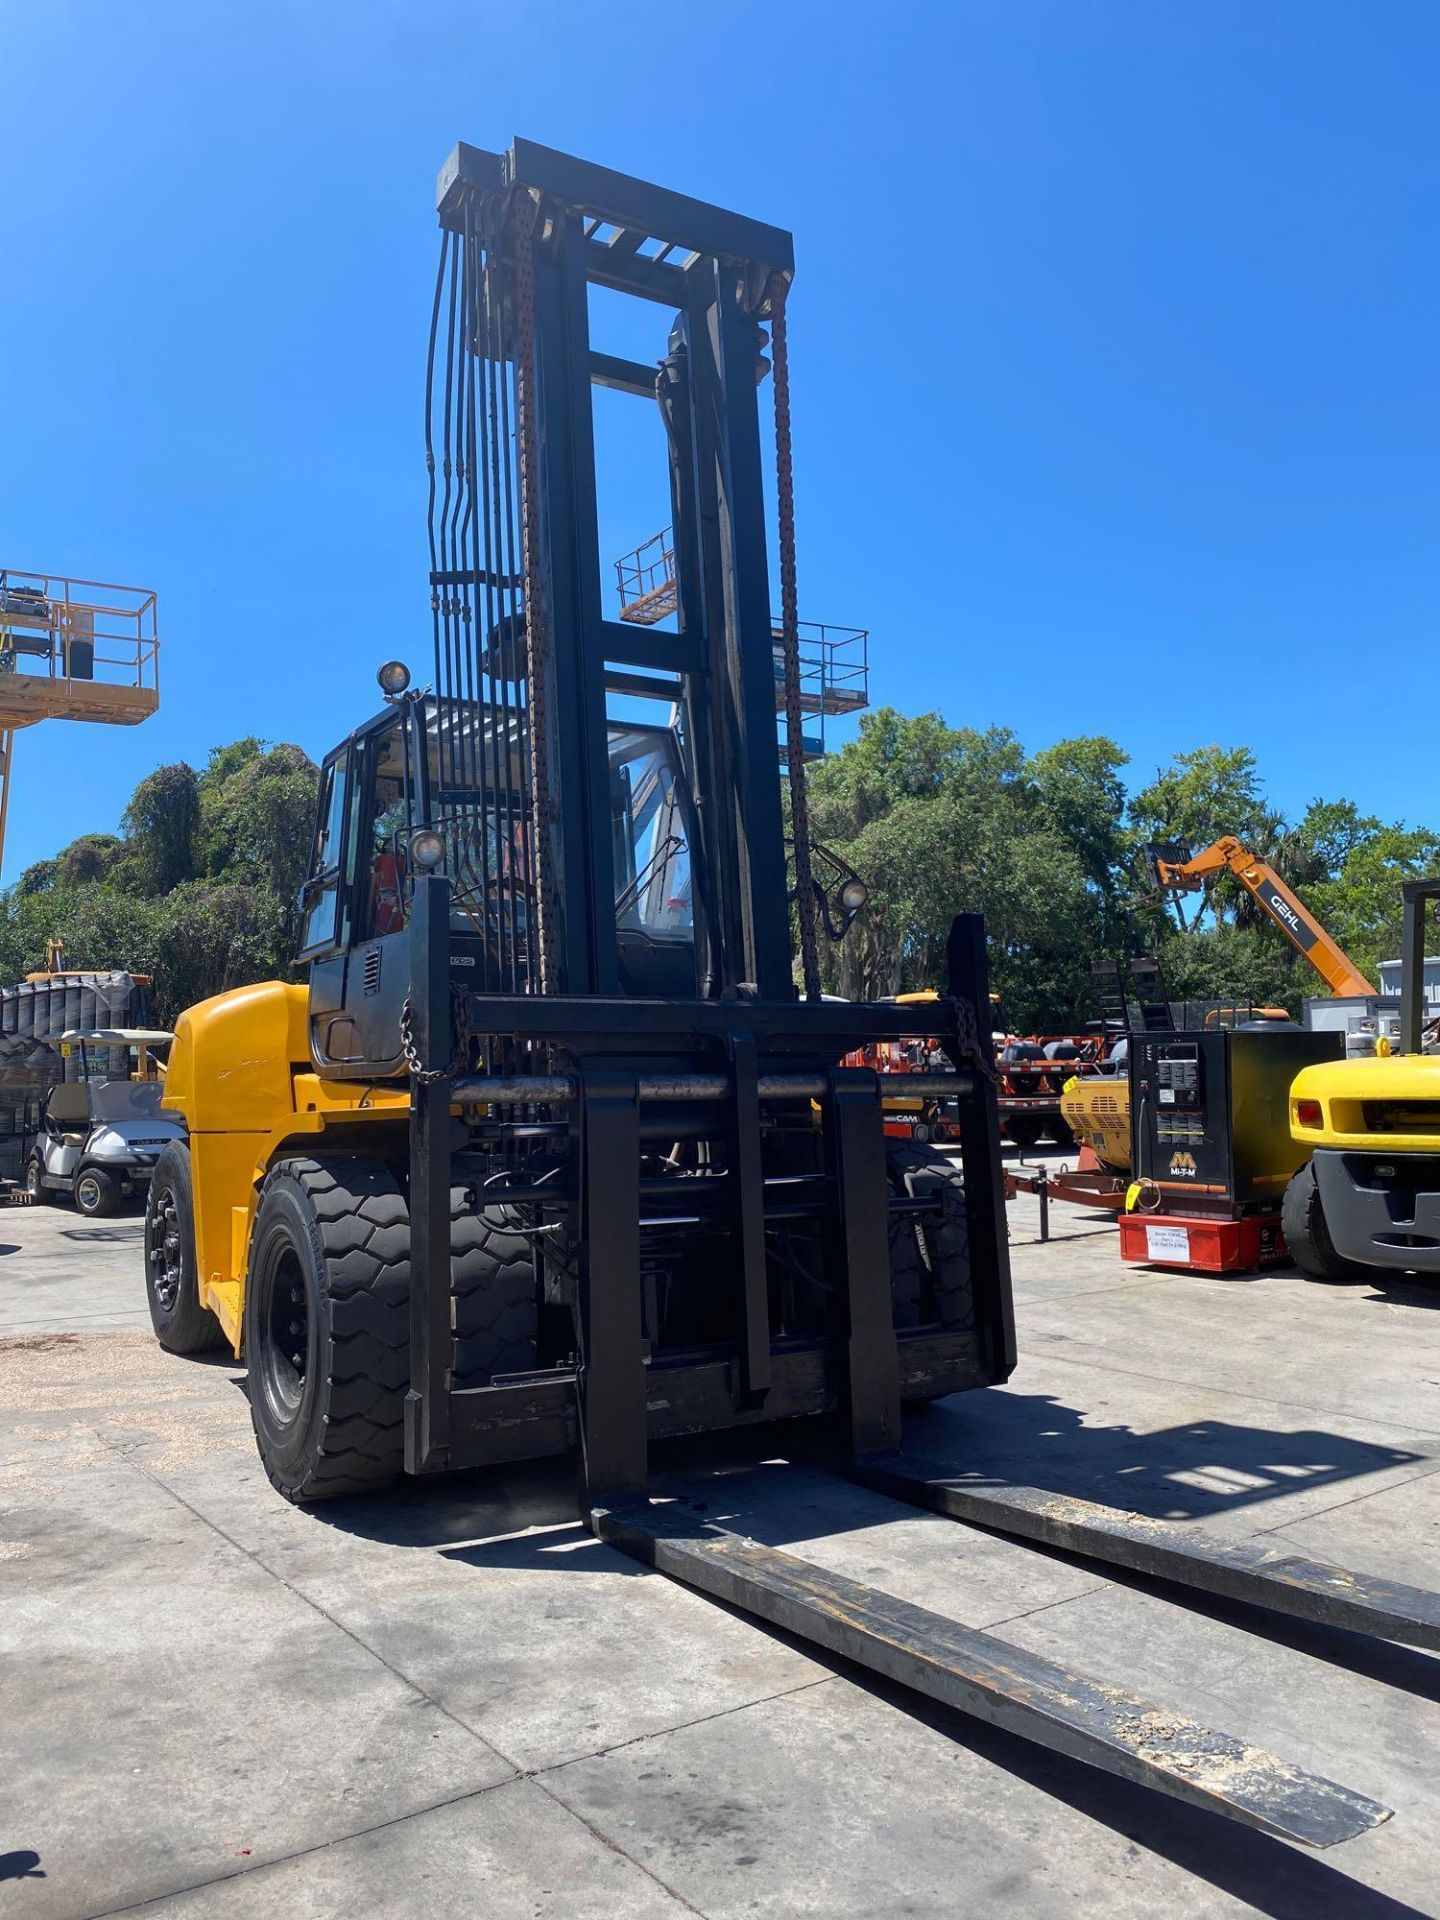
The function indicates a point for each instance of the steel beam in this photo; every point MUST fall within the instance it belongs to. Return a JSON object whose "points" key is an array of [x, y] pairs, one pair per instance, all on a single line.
{"points": [[559, 1089], [1261, 1575], [623, 376], [1417, 894], [990, 1680], [610, 1392], [659, 211], [859, 1260], [654, 648], [968, 971], [427, 1404], [748, 1223]]}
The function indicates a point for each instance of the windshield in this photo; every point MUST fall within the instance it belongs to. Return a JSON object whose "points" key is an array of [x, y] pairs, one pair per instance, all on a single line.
{"points": [[652, 853], [127, 1099]]}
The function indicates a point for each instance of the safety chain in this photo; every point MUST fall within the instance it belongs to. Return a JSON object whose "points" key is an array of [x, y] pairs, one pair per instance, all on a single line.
{"points": [[460, 1043], [524, 210], [790, 642]]}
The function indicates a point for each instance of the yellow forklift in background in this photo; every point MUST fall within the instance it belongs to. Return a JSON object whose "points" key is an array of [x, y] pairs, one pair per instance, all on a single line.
{"points": [[1369, 1195]]}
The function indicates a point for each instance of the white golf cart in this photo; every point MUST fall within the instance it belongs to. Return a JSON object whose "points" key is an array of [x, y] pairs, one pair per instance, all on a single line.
{"points": [[99, 1138]]}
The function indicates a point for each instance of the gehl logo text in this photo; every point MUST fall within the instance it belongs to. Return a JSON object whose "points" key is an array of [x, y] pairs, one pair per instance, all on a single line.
{"points": [[1286, 912], [1183, 1164]]}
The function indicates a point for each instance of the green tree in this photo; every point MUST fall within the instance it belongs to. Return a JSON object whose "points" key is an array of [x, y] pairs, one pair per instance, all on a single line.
{"points": [[257, 810], [942, 820], [161, 825], [201, 890]]}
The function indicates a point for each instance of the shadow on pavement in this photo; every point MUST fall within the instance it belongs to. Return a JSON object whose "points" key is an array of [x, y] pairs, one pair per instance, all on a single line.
{"points": [[1189, 1472]]}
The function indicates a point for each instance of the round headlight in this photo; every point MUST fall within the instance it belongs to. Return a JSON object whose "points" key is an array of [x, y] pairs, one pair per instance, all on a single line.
{"points": [[394, 678], [427, 849], [853, 895]]}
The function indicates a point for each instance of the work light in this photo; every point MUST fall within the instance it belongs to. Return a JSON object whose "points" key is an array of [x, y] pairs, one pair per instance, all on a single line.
{"points": [[427, 848]]}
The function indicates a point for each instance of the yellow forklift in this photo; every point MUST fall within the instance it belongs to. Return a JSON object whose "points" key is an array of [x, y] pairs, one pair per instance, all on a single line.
{"points": [[556, 1153], [1369, 1195]]}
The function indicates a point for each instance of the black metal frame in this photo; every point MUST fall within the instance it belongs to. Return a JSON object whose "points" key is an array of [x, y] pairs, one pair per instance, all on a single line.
{"points": [[745, 1023], [1416, 894]]}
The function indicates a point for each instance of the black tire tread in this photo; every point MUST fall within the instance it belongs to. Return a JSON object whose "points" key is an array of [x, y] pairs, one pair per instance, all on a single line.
{"points": [[109, 1193], [1302, 1221], [190, 1328], [495, 1295], [929, 1256], [363, 1230]]}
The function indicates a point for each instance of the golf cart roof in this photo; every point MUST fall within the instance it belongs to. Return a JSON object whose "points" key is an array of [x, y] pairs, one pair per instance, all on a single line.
{"points": [[117, 1036]]}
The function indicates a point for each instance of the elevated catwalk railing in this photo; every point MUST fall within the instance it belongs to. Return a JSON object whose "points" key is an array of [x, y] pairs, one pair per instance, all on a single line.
{"points": [[834, 660]]}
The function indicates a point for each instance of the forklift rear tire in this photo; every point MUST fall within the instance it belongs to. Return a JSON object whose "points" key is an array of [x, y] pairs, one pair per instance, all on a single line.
{"points": [[496, 1296], [327, 1326], [172, 1284], [1302, 1221], [929, 1253], [97, 1193]]}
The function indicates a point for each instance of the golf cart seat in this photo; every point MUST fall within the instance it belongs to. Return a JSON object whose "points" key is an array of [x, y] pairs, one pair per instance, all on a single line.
{"points": [[69, 1110]]}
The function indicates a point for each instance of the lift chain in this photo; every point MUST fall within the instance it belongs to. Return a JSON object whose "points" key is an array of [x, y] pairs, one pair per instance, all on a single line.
{"points": [[524, 211], [459, 1061], [790, 643], [968, 1042]]}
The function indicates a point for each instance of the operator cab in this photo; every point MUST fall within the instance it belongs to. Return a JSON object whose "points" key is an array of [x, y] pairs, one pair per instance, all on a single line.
{"points": [[430, 786]]}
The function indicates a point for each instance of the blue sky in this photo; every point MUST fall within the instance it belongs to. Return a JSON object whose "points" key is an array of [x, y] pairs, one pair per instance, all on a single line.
{"points": [[1113, 339]]}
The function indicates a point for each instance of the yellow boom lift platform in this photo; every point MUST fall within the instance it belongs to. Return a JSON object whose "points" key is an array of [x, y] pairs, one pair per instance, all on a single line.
{"points": [[72, 650]]}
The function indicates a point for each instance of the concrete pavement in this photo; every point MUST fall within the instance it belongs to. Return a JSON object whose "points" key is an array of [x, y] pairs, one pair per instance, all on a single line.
{"points": [[452, 1700]]}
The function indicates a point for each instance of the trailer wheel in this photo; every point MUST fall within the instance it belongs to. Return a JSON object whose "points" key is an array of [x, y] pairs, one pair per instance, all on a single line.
{"points": [[172, 1285], [1061, 1132], [1302, 1221], [495, 1291], [929, 1253], [1025, 1132], [327, 1326]]}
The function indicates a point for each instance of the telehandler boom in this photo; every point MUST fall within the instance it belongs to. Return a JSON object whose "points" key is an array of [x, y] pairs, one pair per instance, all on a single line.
{"points": [[551, 1154], [1263, 883]]}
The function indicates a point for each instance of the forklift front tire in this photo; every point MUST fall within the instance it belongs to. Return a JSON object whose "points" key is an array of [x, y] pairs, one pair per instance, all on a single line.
{"points": [[930, 1254], [1302, 1221], [97, 1193], [327, 1326], [172, 1284]]}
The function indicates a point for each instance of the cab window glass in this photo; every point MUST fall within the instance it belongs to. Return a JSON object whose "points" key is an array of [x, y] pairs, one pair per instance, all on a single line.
{"points": [[652, 853], [322, 890], [386, 836]]}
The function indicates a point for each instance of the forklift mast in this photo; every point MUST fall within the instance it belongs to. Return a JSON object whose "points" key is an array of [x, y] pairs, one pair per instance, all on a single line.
{"points": [[516, 576]]}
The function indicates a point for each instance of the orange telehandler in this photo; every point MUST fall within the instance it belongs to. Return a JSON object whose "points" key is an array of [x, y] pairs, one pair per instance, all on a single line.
{"points": [[1259, 878]]}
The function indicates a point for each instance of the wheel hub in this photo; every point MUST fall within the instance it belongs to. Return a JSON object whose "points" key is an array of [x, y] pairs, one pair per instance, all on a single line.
{"points": [[164, 1251]]}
